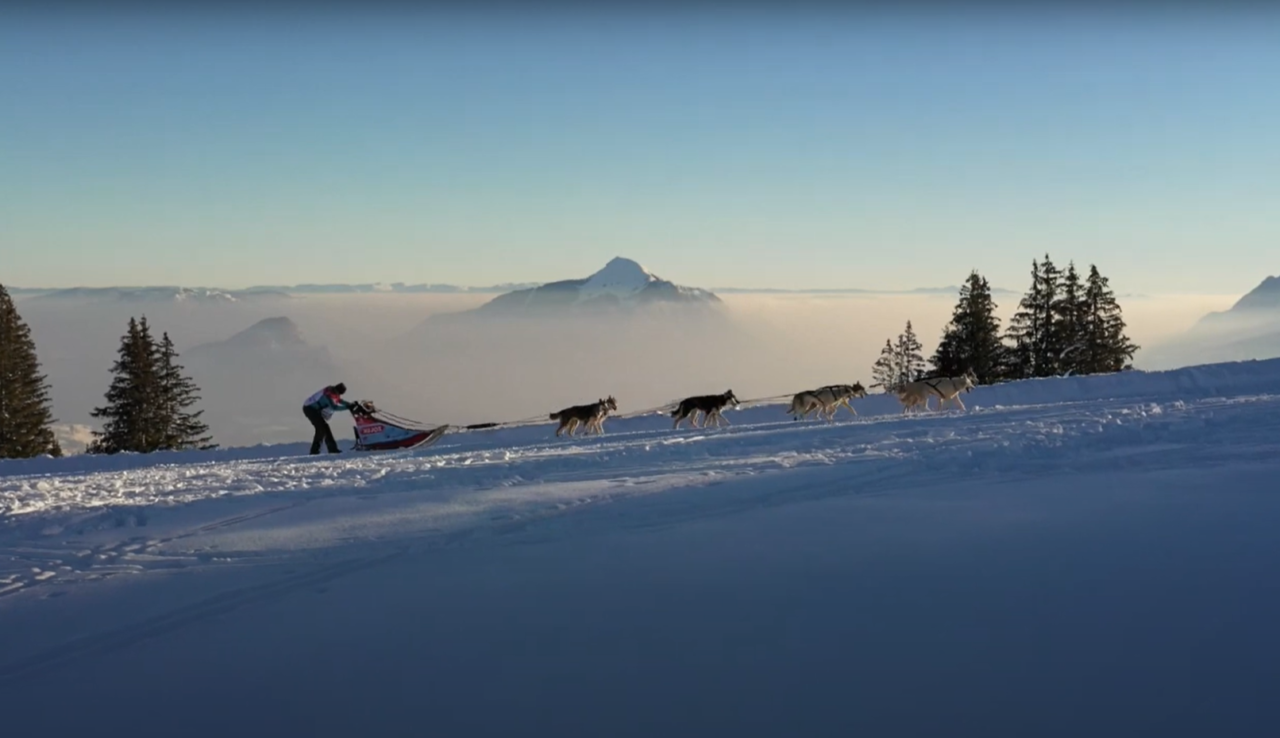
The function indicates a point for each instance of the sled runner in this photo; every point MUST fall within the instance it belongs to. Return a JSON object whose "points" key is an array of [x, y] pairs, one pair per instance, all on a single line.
{"points": [[376, 431]]}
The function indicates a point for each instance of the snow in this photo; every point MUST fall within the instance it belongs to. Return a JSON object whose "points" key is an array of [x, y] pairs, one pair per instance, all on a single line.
{"points": [[621, 277], [1067, 557]]}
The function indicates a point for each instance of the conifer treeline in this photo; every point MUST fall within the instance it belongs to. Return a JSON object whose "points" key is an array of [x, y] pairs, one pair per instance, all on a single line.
{"points": [[1064, 325]]}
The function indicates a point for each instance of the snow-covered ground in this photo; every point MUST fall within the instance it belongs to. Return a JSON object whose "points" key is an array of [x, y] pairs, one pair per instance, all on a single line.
{"points": [[1084, 556]]}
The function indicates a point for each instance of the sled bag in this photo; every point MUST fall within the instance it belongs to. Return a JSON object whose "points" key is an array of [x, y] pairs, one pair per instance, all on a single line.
{"points": [[373, 434]]}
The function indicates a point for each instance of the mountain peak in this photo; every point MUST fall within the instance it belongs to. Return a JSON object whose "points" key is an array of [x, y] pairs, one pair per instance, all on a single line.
{"points": [[621, 285], [621, 276], [622, 266], [1265, 296], [278, 332]]}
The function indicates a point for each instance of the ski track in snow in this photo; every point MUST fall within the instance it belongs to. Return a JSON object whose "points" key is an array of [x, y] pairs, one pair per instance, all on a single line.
{"points": [[140, 513]]}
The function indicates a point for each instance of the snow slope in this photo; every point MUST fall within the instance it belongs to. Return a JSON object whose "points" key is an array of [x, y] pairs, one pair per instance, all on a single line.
{"points": [[1069, 557]]}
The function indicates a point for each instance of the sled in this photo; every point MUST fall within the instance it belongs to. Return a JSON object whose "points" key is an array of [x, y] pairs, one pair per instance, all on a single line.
{"points": [[375, 431]]}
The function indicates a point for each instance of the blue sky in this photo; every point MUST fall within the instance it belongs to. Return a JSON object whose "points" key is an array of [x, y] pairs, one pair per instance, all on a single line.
{"points": [[766, 150]]}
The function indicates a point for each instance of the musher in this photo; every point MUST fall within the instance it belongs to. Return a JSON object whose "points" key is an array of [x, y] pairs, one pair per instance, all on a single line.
{"points": [[319, 408]]}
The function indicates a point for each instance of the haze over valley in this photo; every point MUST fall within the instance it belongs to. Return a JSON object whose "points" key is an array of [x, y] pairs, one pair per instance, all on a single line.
{"points": [[464, 357]]}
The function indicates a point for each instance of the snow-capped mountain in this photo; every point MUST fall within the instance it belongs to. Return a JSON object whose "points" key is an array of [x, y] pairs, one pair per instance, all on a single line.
{"points": [[622, 278], [622, 284]]}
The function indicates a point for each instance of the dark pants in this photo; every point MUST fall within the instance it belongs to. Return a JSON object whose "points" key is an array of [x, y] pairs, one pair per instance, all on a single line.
{"points": [[323, 432]]}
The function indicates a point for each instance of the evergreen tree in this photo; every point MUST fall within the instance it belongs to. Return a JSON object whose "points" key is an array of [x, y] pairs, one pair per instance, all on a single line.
{"points": [[1069, 318], [133, 406], [910, 360], [900, 361], [1023, 329], [25, 414], [1051, 343], [182, 429], [1106, 348], [1035, 342], [885, 371], [971, 341]]}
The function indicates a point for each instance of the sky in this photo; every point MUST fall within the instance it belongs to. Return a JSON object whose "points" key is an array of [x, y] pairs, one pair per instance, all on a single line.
{"points": [[761, 148]]}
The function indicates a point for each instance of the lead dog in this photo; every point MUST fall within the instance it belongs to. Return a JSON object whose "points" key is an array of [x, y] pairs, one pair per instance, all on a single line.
{"points": [[946, 389], [590, 416], [709, 405], [826, 400]]}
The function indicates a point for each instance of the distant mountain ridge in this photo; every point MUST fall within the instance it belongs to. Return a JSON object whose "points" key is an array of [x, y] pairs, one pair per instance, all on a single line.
{"points": [[1266, 296], [1249, 329], [258, 293], [200, 295], [397, 288], [950, 290], [213, 295], [260, 376], [1260, 303], [279, 334]]}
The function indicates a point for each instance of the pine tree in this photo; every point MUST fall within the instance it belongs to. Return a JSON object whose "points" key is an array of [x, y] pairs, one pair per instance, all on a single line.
{"points": [[900, 361], [885, 371], [971, 341], [910, 360], [1051, 343], [1035, 343], [1106, 348], [177, 392], [25, 414], [1023, 330], [132, 410], [1069, 317]]}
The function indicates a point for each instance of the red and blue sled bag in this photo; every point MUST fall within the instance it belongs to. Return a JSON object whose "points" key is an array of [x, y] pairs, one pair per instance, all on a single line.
{"points": [[376, 434]]}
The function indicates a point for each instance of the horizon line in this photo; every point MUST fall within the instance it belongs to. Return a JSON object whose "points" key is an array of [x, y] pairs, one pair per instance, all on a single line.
{"points": [[447, 288]]}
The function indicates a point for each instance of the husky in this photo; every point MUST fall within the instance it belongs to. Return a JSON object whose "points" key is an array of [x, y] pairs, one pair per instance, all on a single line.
{"points": [[590, 416], [826, 400], [597, 421], [946, 389], [709, 405]]}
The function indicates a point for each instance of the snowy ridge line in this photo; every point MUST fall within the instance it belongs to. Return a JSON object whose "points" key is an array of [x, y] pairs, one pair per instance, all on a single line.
{"points": [[1257, 377], [989, 435], [1244, 378]]}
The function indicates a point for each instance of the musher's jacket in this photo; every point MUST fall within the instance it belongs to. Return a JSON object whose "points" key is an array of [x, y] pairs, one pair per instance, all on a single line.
{"points": [[327, 402]]}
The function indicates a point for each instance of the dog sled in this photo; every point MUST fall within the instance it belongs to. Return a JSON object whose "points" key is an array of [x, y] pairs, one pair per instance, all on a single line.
{"points": [[377, 430]]}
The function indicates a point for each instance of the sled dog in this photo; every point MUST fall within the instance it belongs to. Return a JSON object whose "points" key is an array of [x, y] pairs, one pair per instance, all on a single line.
{"points": [[590, 416], [946, 389], [826, 400], [709, 405]]}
